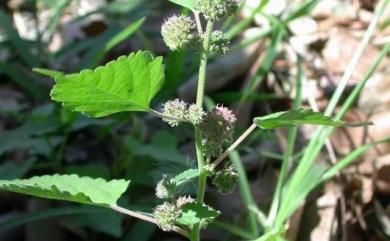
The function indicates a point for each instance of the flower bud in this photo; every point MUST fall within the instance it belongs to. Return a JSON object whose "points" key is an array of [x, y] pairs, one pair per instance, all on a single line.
{"points": [[178, 32], [217, 9], [226, 180], [166, 215], [165, 188], [219, 43]]}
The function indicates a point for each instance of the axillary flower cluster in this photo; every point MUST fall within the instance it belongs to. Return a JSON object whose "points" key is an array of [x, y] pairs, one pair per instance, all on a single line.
{"points": [[216, 127], [181, 31]]}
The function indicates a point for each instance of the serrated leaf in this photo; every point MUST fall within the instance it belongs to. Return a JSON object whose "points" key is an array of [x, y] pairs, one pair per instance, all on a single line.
{"points": [[185, 176], [127, 84], [190, 4], [294, 118], [193, 213], [70, 188]]}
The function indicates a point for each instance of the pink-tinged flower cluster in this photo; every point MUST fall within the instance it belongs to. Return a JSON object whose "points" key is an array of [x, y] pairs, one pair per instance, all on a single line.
{"points": [[217, 128], [226, 114]]}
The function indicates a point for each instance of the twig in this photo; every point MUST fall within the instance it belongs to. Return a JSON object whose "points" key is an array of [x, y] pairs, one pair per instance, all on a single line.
{"points": [[198, 23], [145, 218], [234, 145]]}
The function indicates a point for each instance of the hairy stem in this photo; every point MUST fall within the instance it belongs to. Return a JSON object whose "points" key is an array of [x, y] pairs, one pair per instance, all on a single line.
{"points": [[145, 218], [198, 140]]}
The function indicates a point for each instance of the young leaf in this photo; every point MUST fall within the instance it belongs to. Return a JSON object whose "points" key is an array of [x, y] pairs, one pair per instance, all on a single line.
{"points": [[193, 213], [127, 84], [190, 4], [295, 118], [185, 176], [70, 188]]}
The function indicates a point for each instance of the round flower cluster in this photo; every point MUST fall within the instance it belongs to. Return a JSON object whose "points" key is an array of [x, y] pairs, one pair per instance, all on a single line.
{"points": [[217, 9], [166, 215], [226, 179], [179, 110], [178, 32], [217, 128]]}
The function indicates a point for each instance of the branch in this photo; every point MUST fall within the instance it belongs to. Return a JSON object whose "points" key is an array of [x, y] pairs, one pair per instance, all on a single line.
{"points": [[234, 145], [146, 218]]}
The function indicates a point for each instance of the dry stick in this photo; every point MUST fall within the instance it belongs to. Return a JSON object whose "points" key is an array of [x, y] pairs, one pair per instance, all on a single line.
{"points": [[145, 218], [234, 145], [198, 23]]}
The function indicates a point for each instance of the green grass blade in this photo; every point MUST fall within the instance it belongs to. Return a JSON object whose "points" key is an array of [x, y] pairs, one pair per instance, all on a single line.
{"points": [[355, 59], [319, 137], [232, 229], [331, 172], [288, 155], [118, 38], [304, 9], [246, 193], [243, 24], [265, 66], [21, 46]]}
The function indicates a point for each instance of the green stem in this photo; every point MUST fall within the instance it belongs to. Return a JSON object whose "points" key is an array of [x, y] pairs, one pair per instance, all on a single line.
{"points": [[198, 140]]}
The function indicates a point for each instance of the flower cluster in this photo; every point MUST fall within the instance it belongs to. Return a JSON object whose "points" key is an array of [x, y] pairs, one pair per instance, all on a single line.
{"points": [[226, 179], [219, 43], [167, 213], [217, 128], [179, 111], [181, 31], [178, 32], [217, 9], [165, 188]]}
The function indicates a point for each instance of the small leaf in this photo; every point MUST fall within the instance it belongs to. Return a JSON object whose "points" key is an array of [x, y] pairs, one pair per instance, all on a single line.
{"points": [[70, 188], [294, 118], [193, 213], [185, 176], [190, 4], [127, 84]]}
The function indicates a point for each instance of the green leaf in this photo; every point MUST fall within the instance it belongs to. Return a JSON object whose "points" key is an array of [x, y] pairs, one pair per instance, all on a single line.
{"points": [[70, 188], [185, 176], [127, 84], [190, 4], [193, 213], [294, 118]]}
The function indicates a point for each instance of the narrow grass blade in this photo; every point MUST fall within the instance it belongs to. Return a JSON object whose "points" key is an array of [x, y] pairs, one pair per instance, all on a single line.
{"points": [[21, 46], [118, 38], [243, 24], [331, 172], [318, 139], [246, 193], [288, 155], [265, 66], [304, 9]]}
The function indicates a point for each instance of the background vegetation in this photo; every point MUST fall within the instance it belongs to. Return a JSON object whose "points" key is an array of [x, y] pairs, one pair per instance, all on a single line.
{"points": [[285, 54]]}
